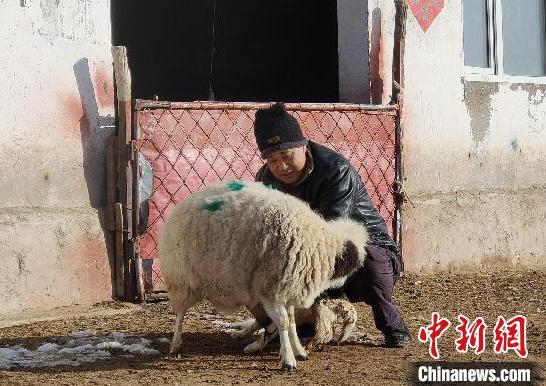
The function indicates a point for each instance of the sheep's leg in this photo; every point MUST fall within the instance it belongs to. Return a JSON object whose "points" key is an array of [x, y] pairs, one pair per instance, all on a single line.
{"points": [[347, 330], [243, 325], [297, 348], [270, 332], [256, 346], [323, 328], [270, 329], [278, 314], [181, 300], [177, 336], [248, 327], [323, 324]]}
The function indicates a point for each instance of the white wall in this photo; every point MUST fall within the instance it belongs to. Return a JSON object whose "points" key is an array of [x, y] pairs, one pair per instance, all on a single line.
{"points": [[474, 156], [57, 111]]}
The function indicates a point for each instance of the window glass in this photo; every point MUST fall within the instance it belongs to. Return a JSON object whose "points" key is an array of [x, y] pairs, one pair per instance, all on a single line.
{"points": [[524, 36], [475, 33]]}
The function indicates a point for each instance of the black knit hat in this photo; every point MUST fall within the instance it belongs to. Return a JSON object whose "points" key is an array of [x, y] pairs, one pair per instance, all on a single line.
{"points": [[275, 129]]}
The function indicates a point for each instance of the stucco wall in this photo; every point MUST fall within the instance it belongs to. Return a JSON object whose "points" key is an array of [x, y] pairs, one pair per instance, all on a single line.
{"points": [[474, 156], [55, 116]]}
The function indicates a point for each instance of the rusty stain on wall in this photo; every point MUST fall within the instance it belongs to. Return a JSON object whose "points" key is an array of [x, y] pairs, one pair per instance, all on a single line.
{"points": [[104, 88], [477, 97], [86, 254], [72, 113], [84, 108]]}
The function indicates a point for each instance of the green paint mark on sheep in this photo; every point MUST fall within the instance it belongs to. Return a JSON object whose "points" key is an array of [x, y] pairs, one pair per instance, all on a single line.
{"points": [[214, 206], [270, 187], [235, 186]]}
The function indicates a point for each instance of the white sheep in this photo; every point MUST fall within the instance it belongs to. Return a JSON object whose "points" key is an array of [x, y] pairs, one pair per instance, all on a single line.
{"points": [[243, 244], [334, 321]]}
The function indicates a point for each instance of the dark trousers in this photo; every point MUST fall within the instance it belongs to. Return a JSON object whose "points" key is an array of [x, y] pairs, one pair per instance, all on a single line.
{"points": [[374, 284]]}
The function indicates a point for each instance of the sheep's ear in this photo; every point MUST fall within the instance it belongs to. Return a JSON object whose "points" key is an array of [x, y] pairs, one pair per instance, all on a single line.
{"points": [[347, 261]]}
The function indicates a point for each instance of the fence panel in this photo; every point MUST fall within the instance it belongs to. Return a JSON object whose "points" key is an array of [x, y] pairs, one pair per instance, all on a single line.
{"points": [[190, 145]]}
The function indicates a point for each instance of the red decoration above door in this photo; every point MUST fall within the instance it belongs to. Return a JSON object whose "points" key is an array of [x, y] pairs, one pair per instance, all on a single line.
{"points": [[425, 11]]}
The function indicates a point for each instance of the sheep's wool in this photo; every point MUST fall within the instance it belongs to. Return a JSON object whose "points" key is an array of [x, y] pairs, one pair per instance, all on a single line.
{"points": [[236, 243]]}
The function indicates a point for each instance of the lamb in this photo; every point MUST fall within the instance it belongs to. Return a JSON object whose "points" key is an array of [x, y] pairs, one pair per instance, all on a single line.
{"points": [[334, 321], [244, 244]]}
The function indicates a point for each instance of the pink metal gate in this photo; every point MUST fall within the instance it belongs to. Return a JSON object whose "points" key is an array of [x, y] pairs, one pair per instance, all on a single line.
{"points": [[189, 145]]}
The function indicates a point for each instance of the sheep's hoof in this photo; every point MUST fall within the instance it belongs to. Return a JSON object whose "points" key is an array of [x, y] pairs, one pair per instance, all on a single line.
{"points": [[287, 367], [302, 357]]}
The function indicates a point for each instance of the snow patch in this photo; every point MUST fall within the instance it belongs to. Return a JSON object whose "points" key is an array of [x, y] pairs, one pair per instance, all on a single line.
{"points": [[104, 345], [81, 334], [48, 347], [117, 335], [140, 349], [77, 348]]}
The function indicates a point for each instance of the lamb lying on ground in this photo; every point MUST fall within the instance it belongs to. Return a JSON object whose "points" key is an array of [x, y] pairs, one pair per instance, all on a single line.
{"points": [[243, 244], [334, 321]]}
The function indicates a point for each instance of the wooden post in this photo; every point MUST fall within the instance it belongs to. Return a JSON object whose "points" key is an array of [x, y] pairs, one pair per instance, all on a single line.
{"points": [[122, 77], [119, 265], [114, 216], [111, 188], [398, 50], [398, 99]]}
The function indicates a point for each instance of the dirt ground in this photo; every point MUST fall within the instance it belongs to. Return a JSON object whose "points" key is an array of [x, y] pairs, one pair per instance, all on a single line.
{"points": [[211, 356]]}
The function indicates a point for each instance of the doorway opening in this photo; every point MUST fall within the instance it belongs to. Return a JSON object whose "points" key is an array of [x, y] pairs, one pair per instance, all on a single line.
{"points": [[237, 50]]}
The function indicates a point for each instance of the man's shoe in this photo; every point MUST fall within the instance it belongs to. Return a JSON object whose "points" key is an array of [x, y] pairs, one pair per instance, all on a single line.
{"points": [[397, 338]]}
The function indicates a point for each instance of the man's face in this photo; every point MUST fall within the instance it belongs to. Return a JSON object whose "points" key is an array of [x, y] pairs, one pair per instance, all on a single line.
{"points": [[287, 165]]}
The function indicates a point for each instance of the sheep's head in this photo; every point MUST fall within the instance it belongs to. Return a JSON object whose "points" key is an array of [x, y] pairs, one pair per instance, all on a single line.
{"points": [[353, 252]]}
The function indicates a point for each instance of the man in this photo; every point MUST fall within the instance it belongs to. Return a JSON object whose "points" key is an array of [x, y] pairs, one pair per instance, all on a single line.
{"points": [[333, 188]]}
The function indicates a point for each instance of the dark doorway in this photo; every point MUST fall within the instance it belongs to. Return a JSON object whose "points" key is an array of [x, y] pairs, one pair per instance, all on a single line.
{"points": [[266, 50]]}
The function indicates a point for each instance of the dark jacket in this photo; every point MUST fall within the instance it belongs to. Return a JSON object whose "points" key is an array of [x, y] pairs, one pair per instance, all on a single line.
{"points": [[334, 189]]}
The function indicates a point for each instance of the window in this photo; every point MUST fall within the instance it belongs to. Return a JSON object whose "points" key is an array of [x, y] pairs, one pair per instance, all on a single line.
{"points": [[505, 37]]}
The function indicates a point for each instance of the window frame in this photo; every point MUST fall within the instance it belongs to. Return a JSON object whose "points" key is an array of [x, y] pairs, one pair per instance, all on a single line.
{"points": [[495, 71], [490, 44]]}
